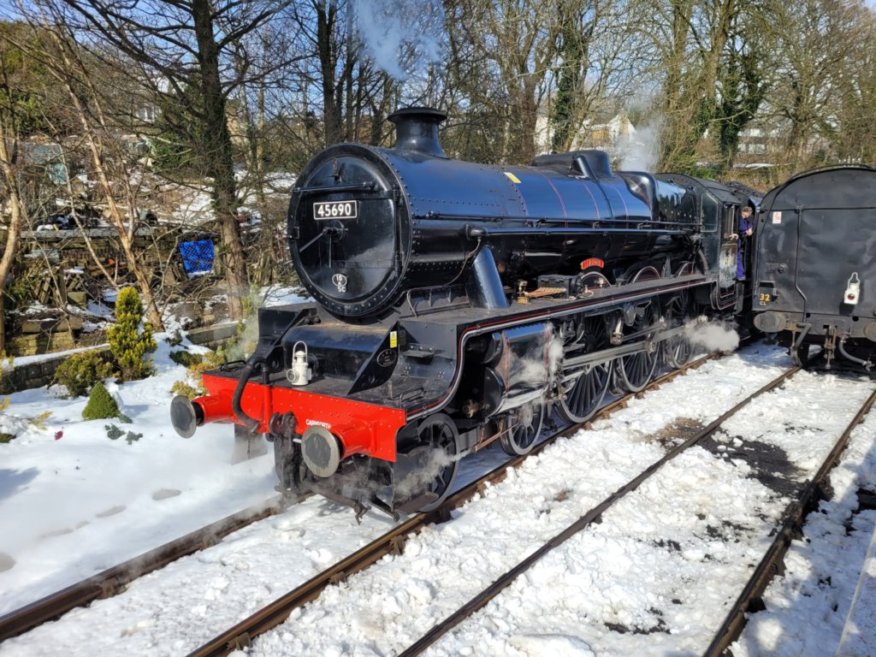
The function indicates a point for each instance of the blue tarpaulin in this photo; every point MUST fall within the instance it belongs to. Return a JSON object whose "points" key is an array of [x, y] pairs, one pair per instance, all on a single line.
{"points": [[197, 256]]}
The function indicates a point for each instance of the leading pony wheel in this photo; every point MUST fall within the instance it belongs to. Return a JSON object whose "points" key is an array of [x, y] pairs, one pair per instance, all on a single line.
{"points": [[428, 470]]}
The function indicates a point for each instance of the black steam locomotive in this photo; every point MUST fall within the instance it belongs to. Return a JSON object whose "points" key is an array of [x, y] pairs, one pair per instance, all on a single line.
{"points": [[457, 304], [816, 264]]}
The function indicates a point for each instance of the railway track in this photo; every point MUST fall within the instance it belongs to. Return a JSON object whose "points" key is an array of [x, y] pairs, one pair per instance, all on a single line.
{"points": [[794, 516], [113, 580], [241, 635], [583, 522], [804, 501], [393, 542]]}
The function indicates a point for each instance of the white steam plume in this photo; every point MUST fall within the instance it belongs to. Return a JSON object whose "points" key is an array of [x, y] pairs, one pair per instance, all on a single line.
{"points": [[417, 481], [401, 36], [640, 151], [712, 336]]}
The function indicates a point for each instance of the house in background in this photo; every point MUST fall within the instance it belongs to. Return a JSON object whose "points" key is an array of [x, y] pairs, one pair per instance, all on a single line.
{"points": [[610, 136]]}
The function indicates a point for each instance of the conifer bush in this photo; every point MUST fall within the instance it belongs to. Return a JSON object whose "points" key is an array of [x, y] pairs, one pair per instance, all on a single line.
{"points": [[129, 343], [185, 358], [186, 389], [101, 404], [80, 372], [196, 364]]}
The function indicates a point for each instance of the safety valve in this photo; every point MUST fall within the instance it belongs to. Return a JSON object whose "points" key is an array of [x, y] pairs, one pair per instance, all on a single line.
{"points": [[853, 290]]}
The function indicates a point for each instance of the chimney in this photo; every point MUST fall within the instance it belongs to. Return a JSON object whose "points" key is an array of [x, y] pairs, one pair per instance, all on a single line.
{"points": [[416, 129]]}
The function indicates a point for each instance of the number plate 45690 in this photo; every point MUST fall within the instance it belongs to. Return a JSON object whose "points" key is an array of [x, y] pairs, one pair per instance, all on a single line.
{"points": [[335, 210]]}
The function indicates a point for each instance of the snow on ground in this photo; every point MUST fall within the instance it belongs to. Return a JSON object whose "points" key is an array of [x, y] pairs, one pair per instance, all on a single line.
{"points": [[827, 595], [657, 575], [73, 502], [196, 597], [624, 573], [628, 586], [172, 611]]}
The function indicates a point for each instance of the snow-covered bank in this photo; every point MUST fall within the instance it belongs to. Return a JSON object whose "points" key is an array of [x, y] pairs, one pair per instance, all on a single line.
{"points": [[74, 502]]}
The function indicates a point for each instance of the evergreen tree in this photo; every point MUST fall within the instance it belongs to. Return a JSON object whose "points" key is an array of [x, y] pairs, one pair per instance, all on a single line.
{"points": [[129, 343], [101, 404]]}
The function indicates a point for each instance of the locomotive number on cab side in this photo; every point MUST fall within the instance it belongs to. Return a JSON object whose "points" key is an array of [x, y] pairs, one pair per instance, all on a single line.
{"points": [[336, 210]]}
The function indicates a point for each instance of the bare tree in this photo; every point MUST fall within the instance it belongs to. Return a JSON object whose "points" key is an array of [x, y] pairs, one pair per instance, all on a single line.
{"points": [[66, 65], [817, 40], [179, 51], [515, 42], [9, 168], [600, 56], [854, 113], [691, 37], [16, 108]]}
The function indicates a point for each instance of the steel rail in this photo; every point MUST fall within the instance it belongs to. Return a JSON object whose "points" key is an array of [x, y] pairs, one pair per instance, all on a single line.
{"points": [[112, 580], [241, 635], [794, 516], [584, 521]]}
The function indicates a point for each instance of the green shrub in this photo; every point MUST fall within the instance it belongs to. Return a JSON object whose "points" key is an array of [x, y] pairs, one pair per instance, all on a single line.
{"points": [[186, 359], [81, 371], [101, 404], [113, 432], [196, 365], [186, 390], [212, 360], [129, 343]]}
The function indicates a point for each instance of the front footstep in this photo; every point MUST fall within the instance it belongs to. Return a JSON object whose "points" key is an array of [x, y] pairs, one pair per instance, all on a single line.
{"points": [[164, 493], [113, 510], [6, 562]]}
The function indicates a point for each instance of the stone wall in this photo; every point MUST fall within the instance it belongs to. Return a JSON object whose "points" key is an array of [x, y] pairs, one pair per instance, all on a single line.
{"points": [[41, 373]]}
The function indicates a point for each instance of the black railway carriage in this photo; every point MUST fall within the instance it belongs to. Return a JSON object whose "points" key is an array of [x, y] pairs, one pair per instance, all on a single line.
{"points": [[815, 270], [457, 304]]}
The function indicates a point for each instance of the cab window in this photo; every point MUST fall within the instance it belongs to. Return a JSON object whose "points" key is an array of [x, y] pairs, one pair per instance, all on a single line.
{"points": [[729, 221], [711, 213]]}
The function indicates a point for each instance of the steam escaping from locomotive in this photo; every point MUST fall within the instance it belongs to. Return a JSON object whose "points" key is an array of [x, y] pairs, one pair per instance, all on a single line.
{"points": [[640, 151], [711, 336], [402, 37], [412, 482]]}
